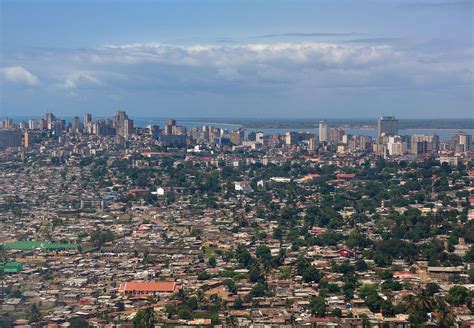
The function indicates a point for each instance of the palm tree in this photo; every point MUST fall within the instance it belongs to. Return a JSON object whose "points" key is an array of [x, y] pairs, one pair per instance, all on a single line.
{"points": [[34, 314], [231, 321], [2, 272], [145, 318], [424, 301], [443, 313], [2, 275]]}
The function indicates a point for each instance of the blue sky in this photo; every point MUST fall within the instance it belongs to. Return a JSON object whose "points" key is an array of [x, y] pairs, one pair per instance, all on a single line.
{"points": [[333, 59]]}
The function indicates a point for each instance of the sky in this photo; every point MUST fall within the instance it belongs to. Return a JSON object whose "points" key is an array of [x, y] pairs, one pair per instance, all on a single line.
{"points": [[222, 58]]}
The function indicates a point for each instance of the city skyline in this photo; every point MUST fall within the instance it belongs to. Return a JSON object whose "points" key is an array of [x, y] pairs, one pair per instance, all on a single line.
{"points": [[217, 163], [308, 59]]}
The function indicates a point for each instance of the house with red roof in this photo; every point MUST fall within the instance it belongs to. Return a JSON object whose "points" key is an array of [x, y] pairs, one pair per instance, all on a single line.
{"points": [[344, 252], [345, 175], [146, 288]]}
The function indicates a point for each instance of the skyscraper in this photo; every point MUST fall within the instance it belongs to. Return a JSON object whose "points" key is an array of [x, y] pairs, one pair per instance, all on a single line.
{"points": [[323, 131], [465, 141], [75, 124], [87, 119], [387, 125], [7, 123], [87, 124], [10, 138], [169, 127], [122, 124], [50, 118]]}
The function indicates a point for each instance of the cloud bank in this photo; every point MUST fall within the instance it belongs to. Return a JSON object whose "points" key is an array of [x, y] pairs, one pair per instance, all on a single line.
{"points": [[294, 70], [315, 64]]}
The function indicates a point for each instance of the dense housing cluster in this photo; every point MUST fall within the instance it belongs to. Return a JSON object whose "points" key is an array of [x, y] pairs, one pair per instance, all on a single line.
{"points": [[198, 227]]}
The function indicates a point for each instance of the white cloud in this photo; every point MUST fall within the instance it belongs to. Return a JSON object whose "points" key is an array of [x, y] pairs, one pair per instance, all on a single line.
{"points": [[80, 79], [255, 67], [286, 62], [19, 75]]}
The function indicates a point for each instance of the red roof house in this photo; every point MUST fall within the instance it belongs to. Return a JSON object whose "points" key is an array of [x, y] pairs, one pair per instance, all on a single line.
{"points": [[344, 252], [149, 288], [345, 175]]}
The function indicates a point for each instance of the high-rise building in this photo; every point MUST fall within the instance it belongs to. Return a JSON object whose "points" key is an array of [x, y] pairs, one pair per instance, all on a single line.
{"points": [[103, 128], [259, 137], [237, 136], [312, 143], [169, 127], [122, 124], [87, 124], [154, 130], [173, 135], [32, 124], [395, 146], [43, 124], [7, 123], [424, 144], [57, 127], [291, 138], [87, 119], [49, 118], [323, 131], [10, 138], [26, 139], [387, 125], [465, 141], [336, 135], [75, 124]]}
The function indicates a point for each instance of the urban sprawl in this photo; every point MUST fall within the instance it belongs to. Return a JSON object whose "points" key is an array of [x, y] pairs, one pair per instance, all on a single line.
{"points": [[106, 224]]}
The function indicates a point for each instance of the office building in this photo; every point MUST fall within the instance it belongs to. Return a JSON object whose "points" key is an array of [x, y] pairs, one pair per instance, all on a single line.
{"points": [[7, 123], [337, 135], [87, 119], [173, 135], [323, 131], [465, 142], [424, 144], [75, 124], [387, 125], [169, 127], [87, 124], [122, 124], [49, 118], [10, 138], [395, 146], [26, 139], [259, 137]]}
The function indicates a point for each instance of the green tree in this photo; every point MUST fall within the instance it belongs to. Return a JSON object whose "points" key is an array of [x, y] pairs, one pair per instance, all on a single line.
{"points": [[443, 314], [431, 288], [238, 303], [78, 322], [34, 314], [458, 295], [170, 310], [203, 275], [231, 321], [145, 318], [367, 289], [259, 290], [337, 312], [317, 305], [6, 321], [192, 302], [212, 262], [120, 306], [185, 313], [230, 284], [255, 274]]}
